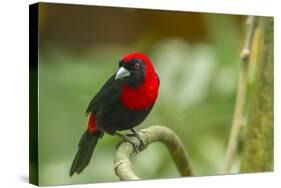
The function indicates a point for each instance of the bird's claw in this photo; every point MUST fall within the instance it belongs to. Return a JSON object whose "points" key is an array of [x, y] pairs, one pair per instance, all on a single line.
{"points": [[141, 141], [136, 149], [137, 146], [131, 138]]}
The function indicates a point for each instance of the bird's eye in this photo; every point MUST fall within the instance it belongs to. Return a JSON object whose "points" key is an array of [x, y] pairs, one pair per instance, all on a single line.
{"points": [[136, 66]]}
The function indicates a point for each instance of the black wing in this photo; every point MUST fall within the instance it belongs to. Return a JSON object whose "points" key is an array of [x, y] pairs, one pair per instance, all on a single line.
{"points": [[108, 94]]}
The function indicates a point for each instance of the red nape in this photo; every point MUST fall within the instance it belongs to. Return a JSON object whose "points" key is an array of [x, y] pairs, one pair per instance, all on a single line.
{"points": [[135, 55], [91, 125]]}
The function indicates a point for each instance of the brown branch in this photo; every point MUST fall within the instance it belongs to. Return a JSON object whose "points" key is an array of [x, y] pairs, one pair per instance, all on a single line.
{"points": [[123, 167], [240, 95]]}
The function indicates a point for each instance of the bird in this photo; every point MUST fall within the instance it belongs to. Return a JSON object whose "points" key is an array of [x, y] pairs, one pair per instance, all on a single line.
{"points": [[122, 103]]}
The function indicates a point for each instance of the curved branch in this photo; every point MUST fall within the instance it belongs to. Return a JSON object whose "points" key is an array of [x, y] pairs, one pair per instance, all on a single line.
{"points": [[122, 165]]}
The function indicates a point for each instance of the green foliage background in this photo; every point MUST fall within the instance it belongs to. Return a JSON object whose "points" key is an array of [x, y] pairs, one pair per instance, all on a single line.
{"points": [[198, 73]]}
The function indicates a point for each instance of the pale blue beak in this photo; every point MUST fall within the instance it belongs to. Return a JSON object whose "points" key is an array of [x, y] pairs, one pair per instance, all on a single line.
{"points": [[121, 73]]}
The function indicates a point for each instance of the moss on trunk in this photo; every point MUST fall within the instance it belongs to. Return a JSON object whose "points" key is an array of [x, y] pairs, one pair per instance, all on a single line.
{"points": [[258, 144]]}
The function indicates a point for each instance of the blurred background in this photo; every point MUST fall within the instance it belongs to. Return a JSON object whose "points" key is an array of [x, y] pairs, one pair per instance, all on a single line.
{"points": [[196, 56]]}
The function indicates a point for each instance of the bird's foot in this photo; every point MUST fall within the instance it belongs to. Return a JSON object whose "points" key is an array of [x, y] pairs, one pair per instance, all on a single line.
{"points": [[137, 135], [138, 146]]}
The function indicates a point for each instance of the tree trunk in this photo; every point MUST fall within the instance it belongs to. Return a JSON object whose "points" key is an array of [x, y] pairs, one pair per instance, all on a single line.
{"points": [[258, 144]]}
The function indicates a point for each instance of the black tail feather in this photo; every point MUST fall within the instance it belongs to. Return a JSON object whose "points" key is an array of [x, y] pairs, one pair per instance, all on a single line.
{"points": [[84, 154]]}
